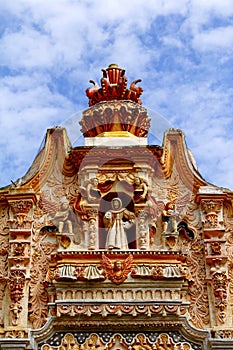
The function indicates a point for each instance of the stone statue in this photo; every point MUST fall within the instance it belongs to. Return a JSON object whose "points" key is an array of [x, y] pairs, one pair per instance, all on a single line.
{"points": [[169, 218], [93, 193], [140, 190], [63, 218], [117, 220]]}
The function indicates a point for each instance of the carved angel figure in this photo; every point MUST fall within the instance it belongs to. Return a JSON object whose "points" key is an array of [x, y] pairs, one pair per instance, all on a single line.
{"points": [[140, 190], [116, 221], [62, 215], [64, 218], [169, 218], [91, 191], [118, 271]]}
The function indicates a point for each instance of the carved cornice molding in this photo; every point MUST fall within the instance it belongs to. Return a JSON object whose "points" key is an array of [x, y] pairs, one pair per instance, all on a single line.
{"points": [[69, 324]]}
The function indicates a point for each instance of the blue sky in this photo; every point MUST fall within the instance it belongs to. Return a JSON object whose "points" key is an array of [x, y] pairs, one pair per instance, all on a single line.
{"points": [[182, 51]]}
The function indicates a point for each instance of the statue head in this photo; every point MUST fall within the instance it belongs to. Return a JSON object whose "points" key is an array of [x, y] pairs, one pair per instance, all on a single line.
{"points": [[116, 204]]}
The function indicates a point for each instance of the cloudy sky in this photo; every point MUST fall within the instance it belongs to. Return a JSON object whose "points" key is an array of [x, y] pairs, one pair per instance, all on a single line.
{"points": [[182, 51]]}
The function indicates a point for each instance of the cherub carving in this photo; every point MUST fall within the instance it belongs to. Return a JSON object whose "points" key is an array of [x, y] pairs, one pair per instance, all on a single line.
{"points": [[91, 191], [140, 190], [169, 218], [62, 216], [118, 270]]}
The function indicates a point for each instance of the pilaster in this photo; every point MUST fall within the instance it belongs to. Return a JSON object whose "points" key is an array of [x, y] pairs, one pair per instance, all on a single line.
{"points": [[211, 201], [20, 229]]}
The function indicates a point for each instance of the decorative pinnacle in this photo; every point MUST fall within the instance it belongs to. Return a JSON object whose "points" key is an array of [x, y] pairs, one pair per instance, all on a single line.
{"points": [[114, 87]]}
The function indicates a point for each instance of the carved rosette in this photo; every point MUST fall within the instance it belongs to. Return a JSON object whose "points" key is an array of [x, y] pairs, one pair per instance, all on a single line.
{"points": [[16, 284]]}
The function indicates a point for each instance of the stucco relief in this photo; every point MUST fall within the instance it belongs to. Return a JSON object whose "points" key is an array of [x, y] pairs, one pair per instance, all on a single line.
{"points": [[4, 248], [41, 256], [195, 250], [118, 341]]}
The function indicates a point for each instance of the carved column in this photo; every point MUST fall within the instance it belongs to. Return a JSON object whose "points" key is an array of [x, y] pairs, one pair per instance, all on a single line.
{"points": [[92, 234], [143, 239], [20, 228], [211, 205]]}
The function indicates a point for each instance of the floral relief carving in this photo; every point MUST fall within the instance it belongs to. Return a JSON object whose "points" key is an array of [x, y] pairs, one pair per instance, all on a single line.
{"points": [[15, 309], [211, 220], [197, 293], [211, 206], [21, 206], [220, 285], [211, 210], [16, 284], [20, 210], [216, 248], [229, 250], [41, 256], [4, 248]]}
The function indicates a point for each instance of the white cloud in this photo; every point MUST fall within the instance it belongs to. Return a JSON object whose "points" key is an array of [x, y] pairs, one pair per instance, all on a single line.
{"points": [[215, 39]]}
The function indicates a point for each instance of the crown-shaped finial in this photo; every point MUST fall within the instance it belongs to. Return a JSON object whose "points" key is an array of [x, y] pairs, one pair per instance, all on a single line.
{"points": [[114, 87]]}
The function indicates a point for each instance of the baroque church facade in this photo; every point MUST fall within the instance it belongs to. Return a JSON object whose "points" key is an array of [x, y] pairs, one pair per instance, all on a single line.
{"points": [[117, 244]]}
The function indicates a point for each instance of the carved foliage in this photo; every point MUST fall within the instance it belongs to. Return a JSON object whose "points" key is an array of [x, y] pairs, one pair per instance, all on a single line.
{"points": [[198, 296], [16, 287], [38, 308], [16, 284], [20, 210], [220, 285], [211, 210], [115, 117]]}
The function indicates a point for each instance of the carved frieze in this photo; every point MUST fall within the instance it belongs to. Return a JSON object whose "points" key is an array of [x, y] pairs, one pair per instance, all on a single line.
{"points": [[135, 310], [122, 341]]}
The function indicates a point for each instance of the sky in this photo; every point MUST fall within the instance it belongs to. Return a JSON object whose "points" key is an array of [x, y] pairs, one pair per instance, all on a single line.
{"points": [[182, 50]]}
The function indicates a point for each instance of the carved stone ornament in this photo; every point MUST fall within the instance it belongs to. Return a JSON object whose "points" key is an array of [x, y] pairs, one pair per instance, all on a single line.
{"points": [[15, 309], [212, 211], [16, 284], [211, 206], [220, 285], [118, 270], [115, 118], [118, 341], [21, 206]]}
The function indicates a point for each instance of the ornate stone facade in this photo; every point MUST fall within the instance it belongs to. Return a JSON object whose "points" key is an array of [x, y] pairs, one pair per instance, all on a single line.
{"points": [[116, 244]]}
